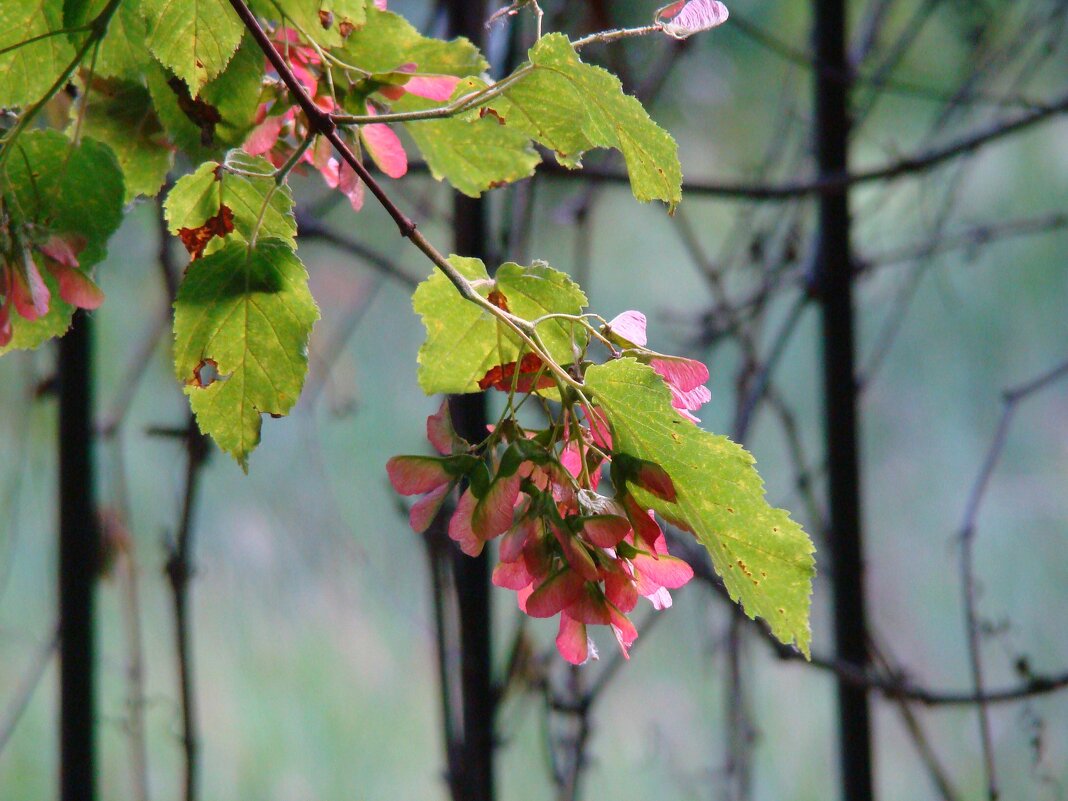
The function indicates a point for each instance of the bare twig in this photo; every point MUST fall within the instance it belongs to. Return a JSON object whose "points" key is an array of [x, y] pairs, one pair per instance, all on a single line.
{"points": [[1011, 401], [26, 688]]}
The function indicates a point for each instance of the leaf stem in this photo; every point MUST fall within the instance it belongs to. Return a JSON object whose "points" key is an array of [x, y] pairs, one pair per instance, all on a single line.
{"points": [[616, 34], [45, 35]]}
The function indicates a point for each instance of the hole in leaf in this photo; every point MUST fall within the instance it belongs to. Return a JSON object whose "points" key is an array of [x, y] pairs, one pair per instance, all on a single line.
{"points": [[206, 373]]}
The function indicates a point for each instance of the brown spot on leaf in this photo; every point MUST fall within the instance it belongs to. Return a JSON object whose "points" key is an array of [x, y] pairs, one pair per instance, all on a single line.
{"points": [[326, 19], [196, 239], [491, 112], [345, 28], [500, 301], [203, 115]]}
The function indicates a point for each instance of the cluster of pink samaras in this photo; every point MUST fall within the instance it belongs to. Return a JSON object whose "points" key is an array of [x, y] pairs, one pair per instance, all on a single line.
{"points": [[281, 126], [23, 288], [565, 548]]}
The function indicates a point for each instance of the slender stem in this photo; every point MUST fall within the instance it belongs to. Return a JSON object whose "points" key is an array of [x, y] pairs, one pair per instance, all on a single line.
{"points": [[283, 172], [46, 35], [615, 35]]}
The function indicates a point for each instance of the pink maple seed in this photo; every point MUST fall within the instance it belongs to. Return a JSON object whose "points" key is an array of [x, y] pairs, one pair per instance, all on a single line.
{"points": [[687, 17], [385, 148], [414, 475], [664, 571], [512, 575], [645, 525], [460, 530], [29, 292], [432, 87], [559, 591], [606, 531], [572, 641], [653, 478], [624, 631], [630, 327], [425, 509], [493, 513]]}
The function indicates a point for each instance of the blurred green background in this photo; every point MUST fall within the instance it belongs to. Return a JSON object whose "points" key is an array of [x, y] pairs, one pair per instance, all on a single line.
{"points": [[314, 649]]}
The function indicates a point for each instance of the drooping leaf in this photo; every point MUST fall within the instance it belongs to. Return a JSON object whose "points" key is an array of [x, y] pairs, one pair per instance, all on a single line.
{"points": [[472, 152], [122, 53], [120, 114], [388, 41], [200, 196], [220, 116], [194, 39], [27, 72], [464, 342], [764, 557], [247, 312], [571, 107]]}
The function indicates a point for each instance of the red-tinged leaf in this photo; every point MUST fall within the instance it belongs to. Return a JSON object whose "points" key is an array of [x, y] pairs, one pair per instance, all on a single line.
{"points": [[460, 530], [500, 376], [629, 328], [645, 525], [493, 513], [434, 87], [683, 19], [29, 292], [425, 509], [414, 475], [512, 575], [654, 478], [664, 571], [606, 531], [76, 288], [197, 239], [561, 590], [572, 641], [385, 149], [624, 630]]}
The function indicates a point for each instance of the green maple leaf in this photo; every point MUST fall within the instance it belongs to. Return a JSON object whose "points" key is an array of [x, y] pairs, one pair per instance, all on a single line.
{"points": [[571, 107], [253, 201], [472, 152], [193, 38], [388, 40], [44, 172], [27, 72], [764, 557], [220, 115], [122, 53], [248, 311], [120, 114], [463, 341], [326, 22]]}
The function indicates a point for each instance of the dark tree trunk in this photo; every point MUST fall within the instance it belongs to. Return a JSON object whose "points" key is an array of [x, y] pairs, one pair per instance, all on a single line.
{"points": [[834, 285], [78, 555], [472, 576]]}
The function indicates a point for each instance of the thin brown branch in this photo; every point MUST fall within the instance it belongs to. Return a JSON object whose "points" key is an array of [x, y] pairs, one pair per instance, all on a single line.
{"points": [[1011, 401]]}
